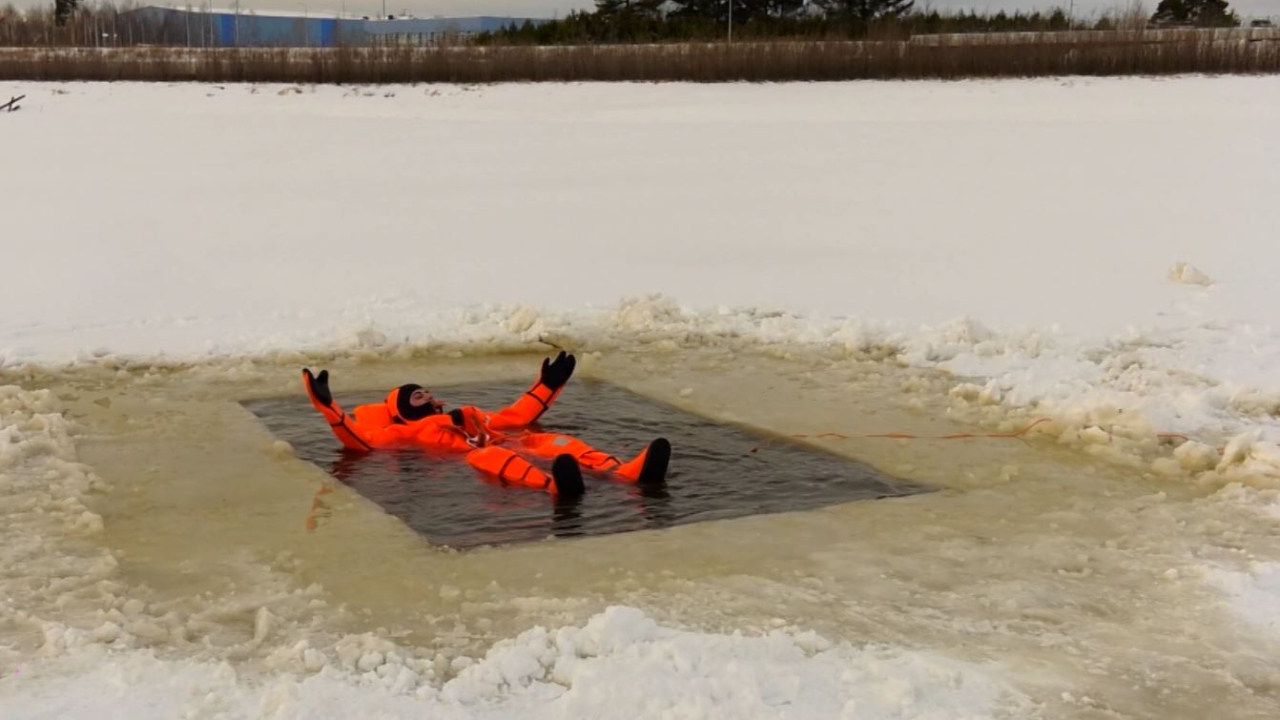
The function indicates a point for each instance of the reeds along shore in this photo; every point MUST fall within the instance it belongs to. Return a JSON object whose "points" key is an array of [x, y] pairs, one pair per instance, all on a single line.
{"points": [[1019, 55]]}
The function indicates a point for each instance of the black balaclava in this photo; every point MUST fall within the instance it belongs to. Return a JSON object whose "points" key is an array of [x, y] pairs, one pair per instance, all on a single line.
{"points": [[408, 412]]}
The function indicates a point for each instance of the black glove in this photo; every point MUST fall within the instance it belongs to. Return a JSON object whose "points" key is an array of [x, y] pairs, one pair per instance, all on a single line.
{"points": [[556, 374], [319, 386], [456, 416]]}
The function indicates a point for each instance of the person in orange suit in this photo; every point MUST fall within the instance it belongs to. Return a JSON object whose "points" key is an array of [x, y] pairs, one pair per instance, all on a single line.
{"points": [[494, 443]]}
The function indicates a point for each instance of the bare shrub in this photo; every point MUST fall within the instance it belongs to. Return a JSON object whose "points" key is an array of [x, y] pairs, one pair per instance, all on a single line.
{"points": [[1095, 54]]}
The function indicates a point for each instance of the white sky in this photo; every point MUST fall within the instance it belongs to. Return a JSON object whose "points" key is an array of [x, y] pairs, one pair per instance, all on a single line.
{"points": [[548, 8]]}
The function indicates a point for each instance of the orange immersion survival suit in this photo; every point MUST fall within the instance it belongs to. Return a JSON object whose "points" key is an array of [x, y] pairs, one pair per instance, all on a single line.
{"points": [[489, 439]]}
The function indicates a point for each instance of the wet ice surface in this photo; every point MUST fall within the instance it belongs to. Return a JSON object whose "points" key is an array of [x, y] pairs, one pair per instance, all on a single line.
{"points": [[1040, 581], [718, 471]]}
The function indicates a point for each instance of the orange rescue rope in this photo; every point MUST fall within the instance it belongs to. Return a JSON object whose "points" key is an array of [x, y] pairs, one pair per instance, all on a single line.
{"points": [[1018, 435], [908, 436]]}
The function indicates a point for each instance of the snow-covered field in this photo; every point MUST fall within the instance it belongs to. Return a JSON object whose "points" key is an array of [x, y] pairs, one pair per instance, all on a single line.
{"points": [[869, 257]]}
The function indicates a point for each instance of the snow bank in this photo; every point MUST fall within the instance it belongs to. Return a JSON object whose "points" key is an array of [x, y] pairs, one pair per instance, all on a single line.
{"points": [[679, 674], [1205, 393], [620, 664], [52, 569]]}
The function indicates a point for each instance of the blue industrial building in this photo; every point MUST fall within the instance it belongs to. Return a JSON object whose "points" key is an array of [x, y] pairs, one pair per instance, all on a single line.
{"points": [[229, 28]]}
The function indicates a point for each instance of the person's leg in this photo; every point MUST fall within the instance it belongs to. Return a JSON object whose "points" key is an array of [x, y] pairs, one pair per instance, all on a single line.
{"points": [[649, 467], [552, 444], [508, 467]]}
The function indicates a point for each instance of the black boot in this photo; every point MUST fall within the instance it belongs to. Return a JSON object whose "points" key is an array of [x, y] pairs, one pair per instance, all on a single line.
{"points": [[654, 471], [567, 476]]}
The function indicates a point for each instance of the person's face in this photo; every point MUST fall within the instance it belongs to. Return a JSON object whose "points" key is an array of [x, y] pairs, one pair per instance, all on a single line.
{"points": [[420, 397]]}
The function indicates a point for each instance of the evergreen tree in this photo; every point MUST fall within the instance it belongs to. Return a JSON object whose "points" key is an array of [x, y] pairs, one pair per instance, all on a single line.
{"points": [[866, 10], [648, 8], [744, 11], [627, 20], [1201, 13], [62, 10]]}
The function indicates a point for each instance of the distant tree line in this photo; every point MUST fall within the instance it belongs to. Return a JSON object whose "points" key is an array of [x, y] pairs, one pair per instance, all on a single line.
{"points": [[75, 23], [632, 21], [72, 22]]}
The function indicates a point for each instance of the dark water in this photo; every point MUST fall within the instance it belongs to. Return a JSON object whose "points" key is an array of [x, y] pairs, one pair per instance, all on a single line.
{"points": [[717, 471]]}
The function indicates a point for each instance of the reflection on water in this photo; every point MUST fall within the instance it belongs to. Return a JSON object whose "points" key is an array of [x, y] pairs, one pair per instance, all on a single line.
{"points": [[717, 471]]}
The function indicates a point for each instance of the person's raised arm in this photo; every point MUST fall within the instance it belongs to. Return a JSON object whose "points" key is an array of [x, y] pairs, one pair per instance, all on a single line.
{"points": [[539, 398], [345, 428]]}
